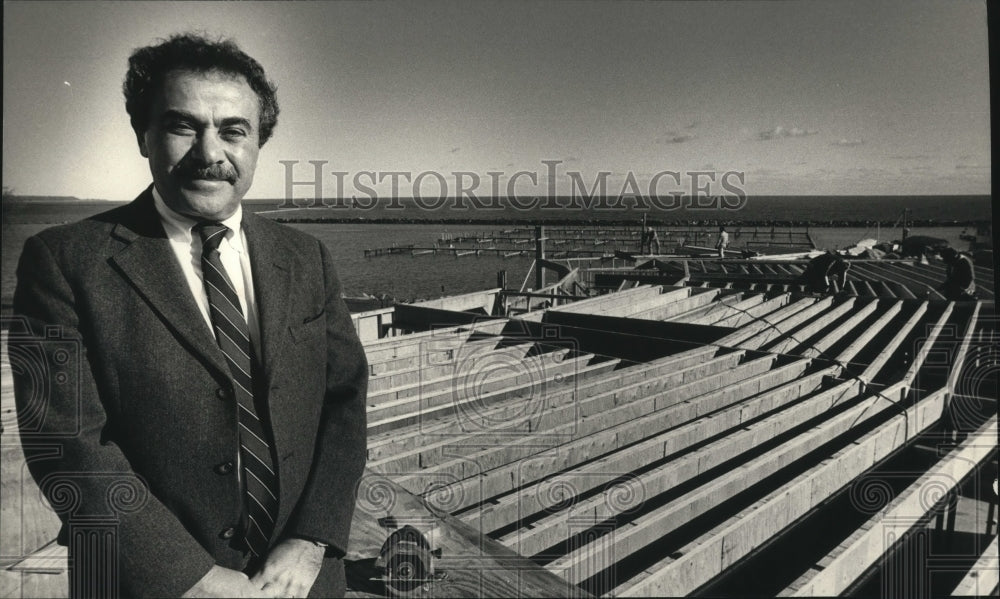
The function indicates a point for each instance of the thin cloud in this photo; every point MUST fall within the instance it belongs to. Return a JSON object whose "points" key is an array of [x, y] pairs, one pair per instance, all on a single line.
{"points": [[848, 143], [675, 137], [961, 167], [780, 132]]}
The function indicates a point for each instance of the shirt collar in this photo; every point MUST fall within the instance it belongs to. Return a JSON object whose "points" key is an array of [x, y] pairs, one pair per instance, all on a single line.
{"points": [[178, 226]]}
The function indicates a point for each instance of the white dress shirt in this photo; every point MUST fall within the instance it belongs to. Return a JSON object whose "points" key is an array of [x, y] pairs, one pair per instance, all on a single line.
{"points": [[232, 252]]}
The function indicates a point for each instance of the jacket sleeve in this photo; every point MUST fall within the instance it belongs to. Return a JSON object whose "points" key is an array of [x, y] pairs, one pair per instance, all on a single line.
{"points": [[65, 431], [326, 506]]}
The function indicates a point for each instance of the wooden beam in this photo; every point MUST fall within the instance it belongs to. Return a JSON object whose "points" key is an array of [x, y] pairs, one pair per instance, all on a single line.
{"points": [[702, 313], [422, 370], [476, 566], [890, 348], [706, 557], [528, 500], [727, 311], [552, 529], [493, 470], [860, 341], [401, 440], [447, 401], [844, 329], [768, 334], [983, 578], [670, 311], [646, 529], [750, 330], [850, 560], [632, 294], [507, 416], [751, 309], [928, 343], [797, 336], [958, 364]]}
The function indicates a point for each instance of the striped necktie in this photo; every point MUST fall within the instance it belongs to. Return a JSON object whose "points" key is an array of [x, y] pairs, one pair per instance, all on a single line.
{"points": [[231, 331]]}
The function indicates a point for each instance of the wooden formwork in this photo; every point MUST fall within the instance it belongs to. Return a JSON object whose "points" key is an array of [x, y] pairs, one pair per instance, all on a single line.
{"points": [[657, 477], [550, 462]]}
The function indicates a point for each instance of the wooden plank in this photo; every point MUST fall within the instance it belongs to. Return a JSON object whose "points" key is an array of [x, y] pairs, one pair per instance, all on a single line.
{"points": [[50, 559], [649, 527], [695, 315], [958, 365], [382, 444], [890, 348], [585, 305], [724, 316], [848, 562], [634, 420], [26, 520], [867, 335], [927, 344], [769, 333], [735, 538], [431, 367], [557, 421], [670, 311], [551, 529], [903, 291], [432, 379], [630, 308], [445, 402], [983, 578], [795, 338], [748, 312], [748, 331], [476, 566], [819, 347], [532, 498]]}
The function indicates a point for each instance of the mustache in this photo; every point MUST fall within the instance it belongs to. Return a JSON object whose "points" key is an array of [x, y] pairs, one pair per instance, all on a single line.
{"points": [[212, 172]]}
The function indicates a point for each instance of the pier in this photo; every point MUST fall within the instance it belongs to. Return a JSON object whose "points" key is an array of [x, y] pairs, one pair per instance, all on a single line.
{"points": [[605, 240]]}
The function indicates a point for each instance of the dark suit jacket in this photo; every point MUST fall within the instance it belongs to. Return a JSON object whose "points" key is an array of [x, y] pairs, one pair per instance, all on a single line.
{"points": [[127, 410]]}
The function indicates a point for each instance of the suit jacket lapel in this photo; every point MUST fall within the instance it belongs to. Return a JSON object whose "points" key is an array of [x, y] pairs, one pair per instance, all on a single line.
{"points": [[269, 261], [149, 263]]}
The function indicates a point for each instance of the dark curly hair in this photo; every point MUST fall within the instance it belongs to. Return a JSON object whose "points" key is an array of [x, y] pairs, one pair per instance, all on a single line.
{"points": [[148, 65]]}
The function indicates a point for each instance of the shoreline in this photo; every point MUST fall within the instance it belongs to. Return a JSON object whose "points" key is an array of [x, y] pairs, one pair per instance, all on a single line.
{"points": [[834, 224]]}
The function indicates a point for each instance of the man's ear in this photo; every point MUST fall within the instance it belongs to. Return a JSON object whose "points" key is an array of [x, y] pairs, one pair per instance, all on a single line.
{"points": [[143, 149]]}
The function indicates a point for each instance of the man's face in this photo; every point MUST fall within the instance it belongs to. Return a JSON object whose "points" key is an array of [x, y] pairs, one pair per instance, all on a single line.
{"points": [[202, 142]]}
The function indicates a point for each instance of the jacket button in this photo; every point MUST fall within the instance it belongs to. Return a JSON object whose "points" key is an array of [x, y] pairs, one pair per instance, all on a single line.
{"points": [[223, 394], [224, 468], [227, 533]]}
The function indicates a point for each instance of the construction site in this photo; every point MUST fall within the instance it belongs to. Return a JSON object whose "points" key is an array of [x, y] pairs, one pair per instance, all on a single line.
{"points": [[664, 425]]}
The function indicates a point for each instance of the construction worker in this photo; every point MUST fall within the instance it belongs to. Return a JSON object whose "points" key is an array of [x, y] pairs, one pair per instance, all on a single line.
{"points": [[649, 238], [960, 281], [826, 273], [723, 242]]}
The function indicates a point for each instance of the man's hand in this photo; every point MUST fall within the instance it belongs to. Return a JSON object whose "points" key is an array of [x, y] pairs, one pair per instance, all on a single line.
{"points": [[223, 582], [290, 569]]}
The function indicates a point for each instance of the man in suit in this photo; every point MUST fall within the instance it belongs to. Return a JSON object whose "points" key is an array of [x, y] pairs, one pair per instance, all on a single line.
{"points": [[199, 424]]}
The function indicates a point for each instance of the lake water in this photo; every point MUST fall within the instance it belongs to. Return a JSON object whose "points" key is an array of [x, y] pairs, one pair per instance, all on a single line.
{"points": [[409, 277]]}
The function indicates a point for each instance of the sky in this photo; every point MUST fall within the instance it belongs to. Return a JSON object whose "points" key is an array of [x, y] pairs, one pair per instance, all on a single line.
{"points": [[796, 98]]}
